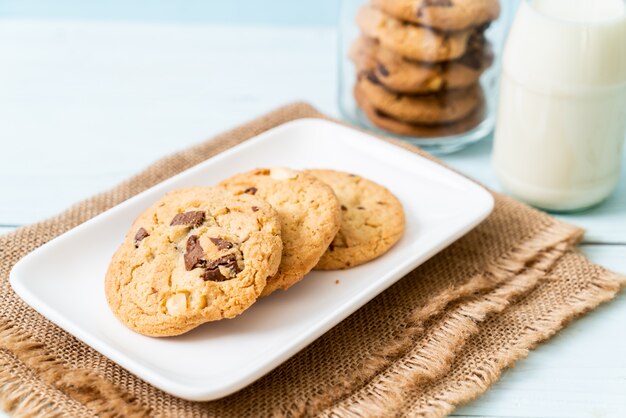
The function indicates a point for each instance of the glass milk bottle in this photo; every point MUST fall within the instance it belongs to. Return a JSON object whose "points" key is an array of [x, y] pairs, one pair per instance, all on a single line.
{"points": [[562, 114]]}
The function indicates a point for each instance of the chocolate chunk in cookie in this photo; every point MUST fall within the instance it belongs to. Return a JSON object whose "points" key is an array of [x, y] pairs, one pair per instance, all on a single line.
{"points": [[222, 244], [140, 236], [228, 261], [372, 77], [194, 257], [384, 71], [193, 219], [213, 272], [213, 275]]}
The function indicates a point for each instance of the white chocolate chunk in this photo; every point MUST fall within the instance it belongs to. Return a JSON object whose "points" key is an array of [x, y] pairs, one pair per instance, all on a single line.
{"points": [[176, 304], [282, 173]]}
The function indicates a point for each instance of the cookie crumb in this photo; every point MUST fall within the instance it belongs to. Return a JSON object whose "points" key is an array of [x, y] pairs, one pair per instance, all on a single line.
{"points": [[337, 281]]}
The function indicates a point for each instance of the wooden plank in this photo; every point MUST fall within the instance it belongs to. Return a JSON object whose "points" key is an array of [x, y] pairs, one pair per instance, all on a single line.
{"points": [[581, 372], [120, 96], [248, 12], [85, 105], [4, 229]]}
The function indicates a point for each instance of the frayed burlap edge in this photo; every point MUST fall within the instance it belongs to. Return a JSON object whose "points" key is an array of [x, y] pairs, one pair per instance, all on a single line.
{"points": [[600, 290], [385, 374], [435, 353], [101, 397], [97, 395], [21, 400], [105, 400]]}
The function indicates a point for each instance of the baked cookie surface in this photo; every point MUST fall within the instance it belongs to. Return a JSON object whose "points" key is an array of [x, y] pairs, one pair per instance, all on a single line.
{"points": [[372, 220], [197, 255], [388, 123], [412, 41], [449, 15], [405, 76], [309, 213], [443, 107]]}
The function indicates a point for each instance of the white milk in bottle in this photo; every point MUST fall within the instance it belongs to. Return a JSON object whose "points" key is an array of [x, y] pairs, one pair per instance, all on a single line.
{"points": [[562, 114]]}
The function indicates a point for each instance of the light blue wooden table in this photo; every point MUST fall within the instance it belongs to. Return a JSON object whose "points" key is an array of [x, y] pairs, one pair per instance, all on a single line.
{"points": [[91, 94]]}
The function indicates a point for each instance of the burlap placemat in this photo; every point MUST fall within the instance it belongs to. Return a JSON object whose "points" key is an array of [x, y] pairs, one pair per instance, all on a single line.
{"points": [[439, 337]]}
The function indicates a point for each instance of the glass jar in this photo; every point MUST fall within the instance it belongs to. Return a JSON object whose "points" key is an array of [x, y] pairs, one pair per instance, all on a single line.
{"points": [[424, 71]]}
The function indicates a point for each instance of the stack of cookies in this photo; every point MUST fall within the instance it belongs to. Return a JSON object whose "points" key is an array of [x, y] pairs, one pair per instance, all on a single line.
{"points": [[419, 63], [208, 253]]}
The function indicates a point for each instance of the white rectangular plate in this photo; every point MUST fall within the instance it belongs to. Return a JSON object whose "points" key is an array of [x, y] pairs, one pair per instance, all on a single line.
{"points": [[63, 279]]}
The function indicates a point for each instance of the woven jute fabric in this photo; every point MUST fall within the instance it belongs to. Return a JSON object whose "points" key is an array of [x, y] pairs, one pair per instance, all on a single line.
{"points": [[436, 339]]}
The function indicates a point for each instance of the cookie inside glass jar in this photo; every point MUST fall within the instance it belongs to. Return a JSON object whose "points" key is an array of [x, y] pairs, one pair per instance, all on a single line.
{"points": [[419, 63]]}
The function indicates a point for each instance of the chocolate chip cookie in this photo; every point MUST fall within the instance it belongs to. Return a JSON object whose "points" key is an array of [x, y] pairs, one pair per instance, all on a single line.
{"points": [[444, 107], [388, 123], [447, 15], [372, 220], [197, 255], [412, 41], [405, 76], [309, 214]]}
